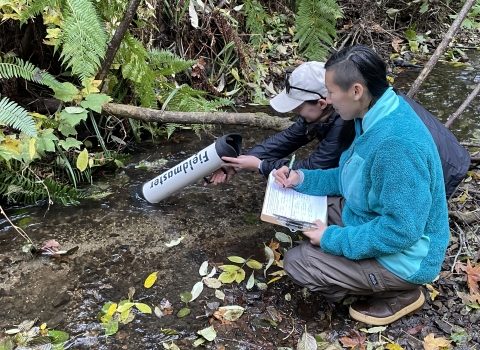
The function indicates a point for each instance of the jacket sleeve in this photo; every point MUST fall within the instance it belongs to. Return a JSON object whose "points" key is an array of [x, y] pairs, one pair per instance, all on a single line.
{"points": [[273, 150], [326, 155]]}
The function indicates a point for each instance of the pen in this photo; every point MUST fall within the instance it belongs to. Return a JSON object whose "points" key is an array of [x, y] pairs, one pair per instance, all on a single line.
{"points": [[290, 165]]}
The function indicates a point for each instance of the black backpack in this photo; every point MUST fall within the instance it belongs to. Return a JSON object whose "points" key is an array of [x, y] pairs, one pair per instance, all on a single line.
{"points": [[455, 158]]}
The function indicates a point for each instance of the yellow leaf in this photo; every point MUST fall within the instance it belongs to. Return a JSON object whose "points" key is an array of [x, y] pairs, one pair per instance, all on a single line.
{"points": [[11, 143], [229, 268], [51, 18], [236, 259], [274, 279], [82, 160], [393, 347], [240, 275], [91, 87], [254, 264], [38, 115], [390, 79], [53, 33], [150, 280], [433, 291], [143, 308], [464, 196], [227, 277], [31, 147], [112, 309]]}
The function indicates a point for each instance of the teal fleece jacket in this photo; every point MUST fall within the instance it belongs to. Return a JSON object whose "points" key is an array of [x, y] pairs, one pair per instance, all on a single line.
{"points": [[395, 205]]}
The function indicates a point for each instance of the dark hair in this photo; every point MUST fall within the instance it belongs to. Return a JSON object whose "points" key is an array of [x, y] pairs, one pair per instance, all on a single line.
{"points": [[360, 64]]}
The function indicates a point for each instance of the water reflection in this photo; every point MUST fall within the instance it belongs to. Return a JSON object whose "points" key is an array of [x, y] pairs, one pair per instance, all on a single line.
{"points": [[445, 89]]}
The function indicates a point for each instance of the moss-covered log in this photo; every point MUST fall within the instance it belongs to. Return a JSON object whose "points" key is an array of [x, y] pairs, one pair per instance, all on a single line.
{"points": [[154, 115]]}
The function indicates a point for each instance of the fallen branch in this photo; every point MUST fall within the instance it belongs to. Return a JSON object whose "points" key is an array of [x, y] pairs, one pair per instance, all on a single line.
{"points": [[154, 115], [464, 105]]}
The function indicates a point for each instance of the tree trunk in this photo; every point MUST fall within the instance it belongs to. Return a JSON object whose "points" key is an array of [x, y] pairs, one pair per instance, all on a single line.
{"points": [[153, 115], [117, 38]]}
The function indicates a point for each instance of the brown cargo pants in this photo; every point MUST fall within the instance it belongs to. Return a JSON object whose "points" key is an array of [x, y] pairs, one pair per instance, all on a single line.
{"points": [[336, 276]]}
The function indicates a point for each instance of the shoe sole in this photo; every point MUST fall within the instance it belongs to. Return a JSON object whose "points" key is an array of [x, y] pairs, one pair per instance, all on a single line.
{"points": [[410, 309]]}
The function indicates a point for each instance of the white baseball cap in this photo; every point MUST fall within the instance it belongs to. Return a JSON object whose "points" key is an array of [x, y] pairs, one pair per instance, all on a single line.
{"points": [[305, 83]]}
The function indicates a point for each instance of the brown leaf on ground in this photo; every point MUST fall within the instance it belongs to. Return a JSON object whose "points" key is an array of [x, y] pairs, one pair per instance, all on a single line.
{"points": [[355, 342], [473, 276], [415, 330], [274, 246]]}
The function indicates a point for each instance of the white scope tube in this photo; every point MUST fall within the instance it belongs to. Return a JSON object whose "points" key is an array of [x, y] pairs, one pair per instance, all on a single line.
{"points": [[197, 166]]}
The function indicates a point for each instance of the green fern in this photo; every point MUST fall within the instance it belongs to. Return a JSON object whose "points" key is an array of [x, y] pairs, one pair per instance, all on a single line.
{"points": [[83, 38], [315, 27], [15, 116], [13, 67], [186, 99], [23, 187], [166, 63], [255, 23]]}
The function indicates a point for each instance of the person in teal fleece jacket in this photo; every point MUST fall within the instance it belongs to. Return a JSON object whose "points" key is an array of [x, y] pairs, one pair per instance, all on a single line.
{"points": [[392, 233]]}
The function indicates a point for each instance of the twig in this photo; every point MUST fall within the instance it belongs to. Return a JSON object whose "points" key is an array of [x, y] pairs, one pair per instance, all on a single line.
{"points": [[18, 229], [464, 105], [293, 329], [462, 241]]}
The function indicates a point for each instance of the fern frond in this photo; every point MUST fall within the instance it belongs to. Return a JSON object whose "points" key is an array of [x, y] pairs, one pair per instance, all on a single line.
{"points": [[25, 188], [145, 93], [167, 63], [315, 27], [186, 99], [13, 67], [133, 57], [15, 116], [83, 38], [255, 23]]}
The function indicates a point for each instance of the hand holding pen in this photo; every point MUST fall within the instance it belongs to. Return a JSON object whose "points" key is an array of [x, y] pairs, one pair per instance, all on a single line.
{"points": [[290, 165], [283, 179]]}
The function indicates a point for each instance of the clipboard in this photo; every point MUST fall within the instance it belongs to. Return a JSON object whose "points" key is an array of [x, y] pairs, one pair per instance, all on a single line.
{"points": [[289, 208]]}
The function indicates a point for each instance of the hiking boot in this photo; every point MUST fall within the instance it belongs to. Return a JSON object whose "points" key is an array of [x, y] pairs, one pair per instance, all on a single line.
{"points": [[379, 312]]}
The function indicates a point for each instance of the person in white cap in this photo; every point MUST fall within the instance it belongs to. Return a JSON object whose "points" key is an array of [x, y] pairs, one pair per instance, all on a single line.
{"points": [[304, 94]]}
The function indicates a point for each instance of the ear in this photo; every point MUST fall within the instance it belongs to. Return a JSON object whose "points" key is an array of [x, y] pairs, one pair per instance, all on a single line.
{"points": [[357, 90], [323, 103]]}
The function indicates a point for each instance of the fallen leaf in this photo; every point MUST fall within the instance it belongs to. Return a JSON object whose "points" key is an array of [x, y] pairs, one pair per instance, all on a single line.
{"points": [[355, 341], [212, 283], [473, 278], [196, 290], [432, 343], [208, 333], [236, 259], [415, 330], [150, 280], [271, 258], [175, 242], [203, 268], [433, 291]]}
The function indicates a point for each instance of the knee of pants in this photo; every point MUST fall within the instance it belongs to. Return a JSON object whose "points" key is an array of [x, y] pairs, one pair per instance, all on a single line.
{"points": [[292, 260]]}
